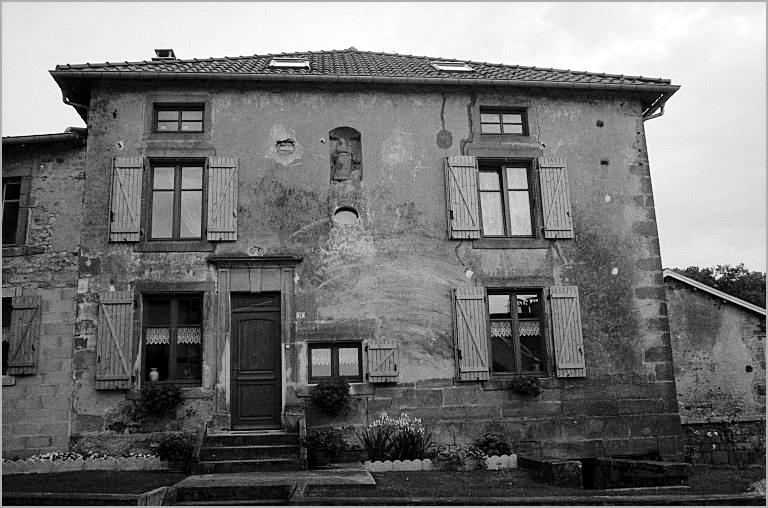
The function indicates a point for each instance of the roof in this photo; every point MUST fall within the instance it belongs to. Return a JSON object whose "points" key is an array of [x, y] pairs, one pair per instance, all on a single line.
{"points": [[71, 134], [713, 291], [353, 66]]}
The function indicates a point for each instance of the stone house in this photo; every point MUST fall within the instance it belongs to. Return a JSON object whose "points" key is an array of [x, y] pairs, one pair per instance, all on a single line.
{"points": [[428, 229]]}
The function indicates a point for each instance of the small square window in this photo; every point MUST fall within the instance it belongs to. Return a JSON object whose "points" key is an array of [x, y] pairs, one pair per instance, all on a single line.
{"points": [[186, 118], [516, 337], [342, 359], [503, 121]]}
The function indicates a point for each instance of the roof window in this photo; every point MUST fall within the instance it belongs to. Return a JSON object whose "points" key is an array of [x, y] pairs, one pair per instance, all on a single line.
{"points": [[164, 54], [452, 66], [289, 62]]}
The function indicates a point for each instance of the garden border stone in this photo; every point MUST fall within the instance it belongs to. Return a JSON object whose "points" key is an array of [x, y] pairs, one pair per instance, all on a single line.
{"points": [[64, 466], [493, 462]]}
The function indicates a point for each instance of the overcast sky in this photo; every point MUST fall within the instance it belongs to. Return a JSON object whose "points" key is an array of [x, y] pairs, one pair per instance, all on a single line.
{"points": [[707, 153]]}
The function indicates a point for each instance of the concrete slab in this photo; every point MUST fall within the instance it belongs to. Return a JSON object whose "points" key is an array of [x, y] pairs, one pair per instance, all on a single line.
{"points": [[334, 474]]}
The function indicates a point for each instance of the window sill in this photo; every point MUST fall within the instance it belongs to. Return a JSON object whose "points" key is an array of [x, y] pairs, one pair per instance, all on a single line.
{"points": [[195, 392], [22, 250], [511, 243], [9, 381], [505, 383], [356, 388], [175, 246]]}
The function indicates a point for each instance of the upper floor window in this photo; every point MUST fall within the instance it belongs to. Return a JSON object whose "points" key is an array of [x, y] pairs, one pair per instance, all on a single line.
{"points": [[503, 121], [11, 205], [177, 118], [517, 343], [177, 200], [505, 200], [173, 333]]}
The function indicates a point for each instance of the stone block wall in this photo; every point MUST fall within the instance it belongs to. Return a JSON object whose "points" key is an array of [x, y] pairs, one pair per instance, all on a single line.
{"points": [[724, 443]]}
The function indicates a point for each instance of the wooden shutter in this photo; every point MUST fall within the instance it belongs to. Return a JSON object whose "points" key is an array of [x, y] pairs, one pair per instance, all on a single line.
{"points": [[25, 335], [114, 340], [555, 198], [461, 192], [382, 361], [222, 199], [471, 335], [566, 329], [125, 200]]}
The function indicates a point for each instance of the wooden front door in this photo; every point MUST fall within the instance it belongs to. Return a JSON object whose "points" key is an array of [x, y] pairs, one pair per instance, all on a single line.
{"points": [[256, 361]]}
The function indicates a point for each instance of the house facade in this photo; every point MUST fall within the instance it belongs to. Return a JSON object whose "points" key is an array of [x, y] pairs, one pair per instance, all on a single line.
{"points": [[429, 230]]}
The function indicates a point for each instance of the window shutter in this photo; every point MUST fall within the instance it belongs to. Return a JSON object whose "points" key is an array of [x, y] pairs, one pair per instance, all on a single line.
{"points": [[471, 336], [125, 199], [461, 192], [114, 340], [566, 329], [383, 358], [25, 335], [555, 198], [222, 199]]}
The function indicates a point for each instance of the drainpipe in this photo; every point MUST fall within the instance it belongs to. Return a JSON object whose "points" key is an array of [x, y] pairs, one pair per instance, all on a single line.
{"points": [[75, 105], [660, 102]]}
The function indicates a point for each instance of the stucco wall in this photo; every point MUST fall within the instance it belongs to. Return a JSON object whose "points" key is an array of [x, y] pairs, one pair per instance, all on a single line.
{"points": [[36, 408], [392, 275], [719, 352]]}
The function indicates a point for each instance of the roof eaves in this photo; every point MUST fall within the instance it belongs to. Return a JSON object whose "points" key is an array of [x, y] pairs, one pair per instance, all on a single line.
{"points": [[714, 292], [43, 138]]}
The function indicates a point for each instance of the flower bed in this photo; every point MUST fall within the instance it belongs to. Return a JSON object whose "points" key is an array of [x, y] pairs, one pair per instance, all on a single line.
{"points": [[493, 462], [57, 462]]}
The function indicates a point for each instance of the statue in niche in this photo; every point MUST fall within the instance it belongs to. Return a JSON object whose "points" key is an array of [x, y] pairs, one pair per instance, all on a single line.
{"points": [[346, 154]]}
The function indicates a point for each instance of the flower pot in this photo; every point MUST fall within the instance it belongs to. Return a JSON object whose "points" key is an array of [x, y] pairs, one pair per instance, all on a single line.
{"points": [[317, 458], [154, 375]]}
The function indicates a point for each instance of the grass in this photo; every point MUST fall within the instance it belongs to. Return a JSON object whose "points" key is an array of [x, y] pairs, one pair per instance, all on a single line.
{"points": [[101, 482]]}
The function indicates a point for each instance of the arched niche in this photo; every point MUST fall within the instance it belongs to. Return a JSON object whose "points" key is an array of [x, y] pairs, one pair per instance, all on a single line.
{"points": [[346, 152]]}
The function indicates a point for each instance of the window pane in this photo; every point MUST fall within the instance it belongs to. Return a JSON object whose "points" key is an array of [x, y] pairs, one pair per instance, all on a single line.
{"points": [[528, 306], [320, 365], [162, 214], [163, 178], [192, 177], [192, 126], [513, 129], [348, 362], [490, 128], [7, 309], [10, 221], [168, 126], [191, 214], [189, 360], [531, 347], [511, 118], [503, 354], [190, 311], [157, 358], [158, 311], [517, 178], [167, 116], [11, 190], [192, 115], [519, 213], [489, 180], [493, 220], [498, 305], [489, 118]]}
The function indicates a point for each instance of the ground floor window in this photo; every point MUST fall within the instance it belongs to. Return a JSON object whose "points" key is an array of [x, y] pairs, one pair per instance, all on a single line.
{"points": [[7, 309], [517, 341], [341, 359], [173, 337]]}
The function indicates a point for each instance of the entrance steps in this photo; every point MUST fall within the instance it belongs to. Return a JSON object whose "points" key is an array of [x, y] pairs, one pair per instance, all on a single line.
{"points": [[251, 451]]}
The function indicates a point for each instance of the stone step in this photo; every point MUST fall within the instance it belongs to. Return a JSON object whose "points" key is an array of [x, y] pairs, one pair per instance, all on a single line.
{"points": [[228, 494], [244, 466], [280, 451], [251, 438]]}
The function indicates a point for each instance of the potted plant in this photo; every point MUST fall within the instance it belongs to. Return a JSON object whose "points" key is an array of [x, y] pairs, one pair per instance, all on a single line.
{"points": [[323, 445], [331, 396]]}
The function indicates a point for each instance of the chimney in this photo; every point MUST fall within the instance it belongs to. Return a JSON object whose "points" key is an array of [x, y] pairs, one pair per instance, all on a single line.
{"points": [[164, 54]]}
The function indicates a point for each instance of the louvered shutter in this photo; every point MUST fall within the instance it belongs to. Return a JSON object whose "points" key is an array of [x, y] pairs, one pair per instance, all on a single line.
{"points": [[114, 340], [461, 193], [125, 199], [555, 198], [566, 330], [25, 335], [222, 198], [470, 334], [383, 358]]}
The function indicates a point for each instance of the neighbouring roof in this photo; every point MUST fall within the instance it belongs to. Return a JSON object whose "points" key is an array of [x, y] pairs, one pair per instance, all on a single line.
{"points": [[713, 291], [353, 66], [70, 134]]}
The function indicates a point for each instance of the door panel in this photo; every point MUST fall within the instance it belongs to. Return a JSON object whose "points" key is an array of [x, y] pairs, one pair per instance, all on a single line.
{"points": [[256, 367]]}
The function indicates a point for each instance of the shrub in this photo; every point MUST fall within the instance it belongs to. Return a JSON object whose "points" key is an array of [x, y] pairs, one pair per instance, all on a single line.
{"points": [[331, 396], [494, 444], [403, 438], [377, 441], [527, 385], [177, 447], [160, 399], [460, 457], [327, 441]]}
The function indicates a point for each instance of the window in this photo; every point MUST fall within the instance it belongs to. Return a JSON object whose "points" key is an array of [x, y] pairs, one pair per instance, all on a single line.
{"points": [[172, 118], [173, 332], [290, 62], [7, 309], [516, 339], [177, 200], [505, 200], [503, 121], [11, 208], [452, 66], [342, 359]]}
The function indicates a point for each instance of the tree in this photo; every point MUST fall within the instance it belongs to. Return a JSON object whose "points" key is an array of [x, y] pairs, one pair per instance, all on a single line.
{"points": [[735, 280]]}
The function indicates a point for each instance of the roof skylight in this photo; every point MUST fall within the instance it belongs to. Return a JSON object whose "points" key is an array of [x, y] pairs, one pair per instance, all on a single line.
{"points": [[284, 61], [452, 66]]}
